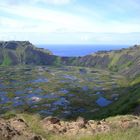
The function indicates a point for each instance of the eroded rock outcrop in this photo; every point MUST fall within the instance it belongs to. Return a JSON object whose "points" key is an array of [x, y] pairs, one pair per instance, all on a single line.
{"points": [[87, 127], [16, 129]]}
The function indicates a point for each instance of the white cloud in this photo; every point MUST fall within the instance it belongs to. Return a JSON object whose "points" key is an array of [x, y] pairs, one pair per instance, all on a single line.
{"points": [[73, 38], [46, 20], [51, 2], [55, 2], [12, 25], [35, 19], [59, 25]]}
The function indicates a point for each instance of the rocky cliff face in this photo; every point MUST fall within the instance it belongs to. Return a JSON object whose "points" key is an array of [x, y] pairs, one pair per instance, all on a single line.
{"points": [[124, 61], [23, 52]]}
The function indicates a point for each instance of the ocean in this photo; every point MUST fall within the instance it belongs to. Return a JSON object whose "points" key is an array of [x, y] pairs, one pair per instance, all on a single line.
{"points": [[79, 50]]}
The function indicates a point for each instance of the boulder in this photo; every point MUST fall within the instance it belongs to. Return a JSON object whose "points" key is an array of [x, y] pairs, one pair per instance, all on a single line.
{"points": [[51, 120], [18, 124], [7, 132], [81, 122]]}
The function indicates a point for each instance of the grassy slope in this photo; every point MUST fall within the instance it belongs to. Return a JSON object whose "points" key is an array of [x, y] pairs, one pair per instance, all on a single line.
{"points": [[126, 104], [130, 134], [6, 60]]}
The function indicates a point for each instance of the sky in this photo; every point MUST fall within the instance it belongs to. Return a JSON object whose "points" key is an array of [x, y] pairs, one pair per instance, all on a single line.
{"points": [[71, 21]]}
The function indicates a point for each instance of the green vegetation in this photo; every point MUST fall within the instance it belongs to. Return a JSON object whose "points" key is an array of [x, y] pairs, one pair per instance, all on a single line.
{"points": [[23, 52], [129, 100], [34, 124], [6, 61], [51, 81], [69, 91], [130, 134], [57, 61], [136, 80], [114, 59]]}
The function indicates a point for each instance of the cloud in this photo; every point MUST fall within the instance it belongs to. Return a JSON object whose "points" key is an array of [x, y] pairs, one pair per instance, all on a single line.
{"points": [[37, 20], [50, 2], [47, 20], [74, 38], [55, 2], [32, 18]]}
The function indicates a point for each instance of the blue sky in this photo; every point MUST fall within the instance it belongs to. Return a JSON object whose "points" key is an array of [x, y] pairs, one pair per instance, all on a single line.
{"points": [[71, 21]]}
